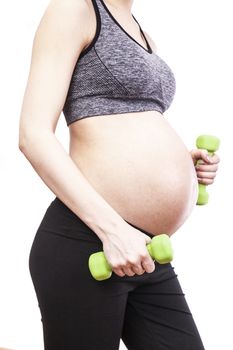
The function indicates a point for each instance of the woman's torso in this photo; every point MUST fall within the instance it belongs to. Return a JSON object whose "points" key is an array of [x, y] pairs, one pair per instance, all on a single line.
{"points": [[138, 163]]}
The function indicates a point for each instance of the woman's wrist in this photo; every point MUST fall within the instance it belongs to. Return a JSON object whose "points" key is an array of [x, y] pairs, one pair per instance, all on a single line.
{"points": [[104, 228]]}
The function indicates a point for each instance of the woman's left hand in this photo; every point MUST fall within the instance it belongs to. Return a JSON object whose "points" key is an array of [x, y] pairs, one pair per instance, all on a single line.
{"points": [[206, 167]]}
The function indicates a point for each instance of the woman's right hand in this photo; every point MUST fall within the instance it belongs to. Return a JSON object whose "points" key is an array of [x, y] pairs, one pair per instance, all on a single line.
{"points": [[126, 251]]}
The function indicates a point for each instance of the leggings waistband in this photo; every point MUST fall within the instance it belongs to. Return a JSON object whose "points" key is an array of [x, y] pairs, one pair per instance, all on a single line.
{"points": [[62, 205]]}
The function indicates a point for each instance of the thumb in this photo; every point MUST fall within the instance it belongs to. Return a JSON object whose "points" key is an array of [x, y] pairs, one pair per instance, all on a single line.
{"points": [[200, 154], [147, 238]]}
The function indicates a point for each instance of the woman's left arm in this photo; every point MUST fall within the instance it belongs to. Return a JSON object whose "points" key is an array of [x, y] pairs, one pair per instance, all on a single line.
{"points": [[207, 166]]}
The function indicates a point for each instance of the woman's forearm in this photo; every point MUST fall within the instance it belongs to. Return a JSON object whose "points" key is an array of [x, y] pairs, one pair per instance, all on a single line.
{"points": [[59, 172]]}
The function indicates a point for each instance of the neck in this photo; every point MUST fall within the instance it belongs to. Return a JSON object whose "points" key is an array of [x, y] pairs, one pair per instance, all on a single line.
{"points": [[121, 4]]}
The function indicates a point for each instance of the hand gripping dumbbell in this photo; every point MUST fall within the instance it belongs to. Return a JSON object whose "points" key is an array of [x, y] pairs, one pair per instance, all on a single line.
{"points": [[160, 249], [211, 144]]}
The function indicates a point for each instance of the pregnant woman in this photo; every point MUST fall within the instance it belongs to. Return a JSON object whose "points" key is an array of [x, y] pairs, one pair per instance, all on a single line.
{"points": [[128, 177]]}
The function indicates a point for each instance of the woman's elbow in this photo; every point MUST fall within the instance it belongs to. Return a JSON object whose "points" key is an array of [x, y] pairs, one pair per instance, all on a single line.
{"points": [[30, 135], [25, 137], [22, 140]]}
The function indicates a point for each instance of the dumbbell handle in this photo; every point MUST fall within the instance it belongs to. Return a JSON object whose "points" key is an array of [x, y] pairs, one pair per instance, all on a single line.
{"points": [[211, 144]]}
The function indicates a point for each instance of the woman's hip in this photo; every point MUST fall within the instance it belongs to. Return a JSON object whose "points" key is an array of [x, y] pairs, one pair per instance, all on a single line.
{"points": [[60, 252]]}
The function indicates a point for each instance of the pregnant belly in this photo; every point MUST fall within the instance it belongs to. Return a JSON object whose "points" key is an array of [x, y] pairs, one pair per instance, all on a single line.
{"points": [[140, 166]]}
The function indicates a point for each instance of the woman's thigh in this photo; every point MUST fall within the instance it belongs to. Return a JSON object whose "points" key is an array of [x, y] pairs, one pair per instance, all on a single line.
{"points": [[77, 312], [158, 317]]}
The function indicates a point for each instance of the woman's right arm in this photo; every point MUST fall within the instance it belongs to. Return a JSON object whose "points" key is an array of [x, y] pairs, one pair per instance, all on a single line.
{"points": [[60, 37]]}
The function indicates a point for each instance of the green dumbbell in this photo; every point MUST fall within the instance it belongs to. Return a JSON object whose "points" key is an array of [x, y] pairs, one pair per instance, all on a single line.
{"points": [[160, 249], [211, 144]]}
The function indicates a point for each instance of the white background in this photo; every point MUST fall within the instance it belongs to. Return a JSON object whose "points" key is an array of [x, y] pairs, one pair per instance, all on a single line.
{"points": [[195, 39]]}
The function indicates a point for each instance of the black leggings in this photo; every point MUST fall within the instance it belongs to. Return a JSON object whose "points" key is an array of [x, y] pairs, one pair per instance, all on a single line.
{"points": [[148, 312]]}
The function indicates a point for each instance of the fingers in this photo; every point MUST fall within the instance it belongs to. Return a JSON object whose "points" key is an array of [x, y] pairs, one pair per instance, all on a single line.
{"points": [[123, 268], [202, 156], [126, 270], [205, 178], [213, 159], [119, 272], [207, 172], [206, 167], [205, 181], [146, 264], [206, 175], [129, 271]]}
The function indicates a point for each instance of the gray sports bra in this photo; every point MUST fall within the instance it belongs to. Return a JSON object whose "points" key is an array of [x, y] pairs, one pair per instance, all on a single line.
{"points": [[115, 74]]}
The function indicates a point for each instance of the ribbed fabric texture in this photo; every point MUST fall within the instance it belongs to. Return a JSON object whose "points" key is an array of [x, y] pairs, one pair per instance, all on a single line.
{"points": [[116, 74]]}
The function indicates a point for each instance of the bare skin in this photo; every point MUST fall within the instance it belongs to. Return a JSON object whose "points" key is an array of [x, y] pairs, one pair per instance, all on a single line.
{"points": [[130, 167], [139, 165], [156, 186]]}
